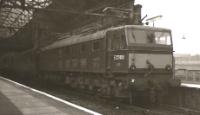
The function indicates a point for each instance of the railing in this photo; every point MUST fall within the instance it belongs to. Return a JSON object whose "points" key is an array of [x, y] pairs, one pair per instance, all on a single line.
{"points": [[192, 76]]}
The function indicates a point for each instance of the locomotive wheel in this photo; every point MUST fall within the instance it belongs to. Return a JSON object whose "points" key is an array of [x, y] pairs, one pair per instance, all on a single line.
{"points": [[90, 87]]}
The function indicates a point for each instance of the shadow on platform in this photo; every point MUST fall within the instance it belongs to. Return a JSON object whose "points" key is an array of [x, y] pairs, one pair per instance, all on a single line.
{"points": [[7, 107]]}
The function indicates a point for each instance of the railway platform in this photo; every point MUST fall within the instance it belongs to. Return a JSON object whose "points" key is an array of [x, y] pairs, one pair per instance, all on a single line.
{"points": [[17, 99]]}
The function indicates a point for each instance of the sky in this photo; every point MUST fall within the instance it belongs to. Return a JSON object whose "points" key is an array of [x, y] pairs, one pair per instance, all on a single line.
{"points": [[182, 17]]}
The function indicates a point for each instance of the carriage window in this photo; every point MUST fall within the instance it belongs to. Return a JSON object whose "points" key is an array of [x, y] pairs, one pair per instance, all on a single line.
{"points": [[67, 50], [60, 53], [162, 38], [118, 41], [96, 45], [149, 37], [83, 47], [74, 50], [137, 36]]}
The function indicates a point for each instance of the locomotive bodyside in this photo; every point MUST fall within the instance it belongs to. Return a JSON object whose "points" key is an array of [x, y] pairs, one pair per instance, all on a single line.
{"points": [[76, 54]]}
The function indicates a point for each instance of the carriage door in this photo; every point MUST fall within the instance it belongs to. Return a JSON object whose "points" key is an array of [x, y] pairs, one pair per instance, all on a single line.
{"points": [[116, 55], [108, 51]]}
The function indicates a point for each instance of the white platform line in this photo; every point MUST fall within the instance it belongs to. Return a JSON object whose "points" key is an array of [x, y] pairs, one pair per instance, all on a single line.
{"points": [[55, 98], [190, 85]]}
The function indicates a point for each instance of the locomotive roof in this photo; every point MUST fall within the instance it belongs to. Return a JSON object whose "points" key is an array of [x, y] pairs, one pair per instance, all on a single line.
{"points": [[75, 39], [146, 28]]}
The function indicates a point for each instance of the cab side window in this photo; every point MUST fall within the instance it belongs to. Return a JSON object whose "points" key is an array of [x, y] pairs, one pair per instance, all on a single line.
{"points": [[83, 48], [96, 45], [118, 41]]}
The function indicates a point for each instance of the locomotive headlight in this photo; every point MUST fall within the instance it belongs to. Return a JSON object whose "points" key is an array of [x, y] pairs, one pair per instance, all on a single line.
{"points": [[118, 57], [132, 80], [132, 67]]}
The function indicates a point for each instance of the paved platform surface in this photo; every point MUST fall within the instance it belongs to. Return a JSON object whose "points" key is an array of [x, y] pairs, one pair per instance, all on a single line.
{"points": [[18, 100]]}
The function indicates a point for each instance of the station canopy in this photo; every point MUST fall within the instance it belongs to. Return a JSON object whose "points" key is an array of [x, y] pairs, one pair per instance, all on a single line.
{"points": [[14, 14]]}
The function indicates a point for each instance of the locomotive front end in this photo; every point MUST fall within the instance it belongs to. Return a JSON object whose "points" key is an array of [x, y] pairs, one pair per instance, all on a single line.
{"points": [[150, 57], [145, 56]]}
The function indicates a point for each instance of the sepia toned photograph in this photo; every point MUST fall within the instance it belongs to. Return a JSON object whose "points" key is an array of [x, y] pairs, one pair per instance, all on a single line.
{"points": [[99, 57]]}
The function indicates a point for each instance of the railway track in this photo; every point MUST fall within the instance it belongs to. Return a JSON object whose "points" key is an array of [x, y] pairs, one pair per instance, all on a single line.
{"points": [[186, 98], [186, 111], [108, 106], [112, 106]]}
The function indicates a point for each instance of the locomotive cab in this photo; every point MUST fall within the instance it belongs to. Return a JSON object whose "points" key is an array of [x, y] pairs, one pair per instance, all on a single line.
{"points": [[149, 48], [143, 54], [139, 48]]}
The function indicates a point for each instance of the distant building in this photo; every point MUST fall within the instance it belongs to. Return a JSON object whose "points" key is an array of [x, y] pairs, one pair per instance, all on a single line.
{"points": [[187, 68], [186, 61]]}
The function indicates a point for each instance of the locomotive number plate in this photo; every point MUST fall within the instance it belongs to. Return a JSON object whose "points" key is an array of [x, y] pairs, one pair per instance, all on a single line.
{"points": [[119, 57]]}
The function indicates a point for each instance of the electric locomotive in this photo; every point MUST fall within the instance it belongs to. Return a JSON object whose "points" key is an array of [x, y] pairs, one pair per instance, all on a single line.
{"points": [[115, 61]]}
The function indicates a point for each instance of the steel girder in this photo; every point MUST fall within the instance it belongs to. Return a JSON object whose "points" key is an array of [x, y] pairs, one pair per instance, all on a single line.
{"points": [[14, 14]]}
